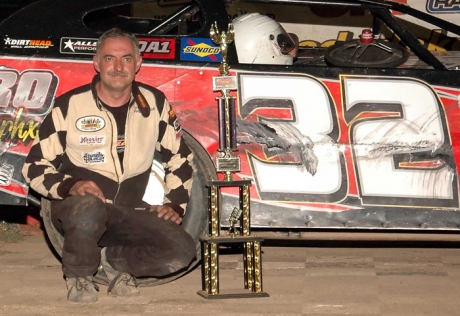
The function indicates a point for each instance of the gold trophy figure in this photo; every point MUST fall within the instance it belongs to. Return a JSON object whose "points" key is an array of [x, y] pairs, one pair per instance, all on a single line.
{"points": [[222, 39]]}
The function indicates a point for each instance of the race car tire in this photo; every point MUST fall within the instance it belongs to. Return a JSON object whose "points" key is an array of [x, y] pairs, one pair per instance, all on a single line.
{"points": [[195, 221], [381, 54]]}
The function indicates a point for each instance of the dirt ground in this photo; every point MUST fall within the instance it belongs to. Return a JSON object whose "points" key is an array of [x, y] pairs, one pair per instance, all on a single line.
{"points": [[308, 278]]}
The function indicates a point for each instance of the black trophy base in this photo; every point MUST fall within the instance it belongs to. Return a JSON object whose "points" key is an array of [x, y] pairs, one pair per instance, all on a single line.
{"points": [[225, 294]]}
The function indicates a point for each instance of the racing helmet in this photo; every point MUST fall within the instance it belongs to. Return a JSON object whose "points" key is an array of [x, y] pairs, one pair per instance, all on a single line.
{"points": [[261, 40]]}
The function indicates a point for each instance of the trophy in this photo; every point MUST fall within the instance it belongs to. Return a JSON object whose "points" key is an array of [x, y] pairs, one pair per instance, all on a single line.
{"points": [[227, 164], [224, 83]]}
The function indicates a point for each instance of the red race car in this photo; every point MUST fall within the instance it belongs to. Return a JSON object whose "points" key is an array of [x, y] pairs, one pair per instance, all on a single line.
{"points": [[360, 132]]}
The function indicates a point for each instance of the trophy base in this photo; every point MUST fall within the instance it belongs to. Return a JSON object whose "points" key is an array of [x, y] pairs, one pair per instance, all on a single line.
{"points": [[232, 294]]}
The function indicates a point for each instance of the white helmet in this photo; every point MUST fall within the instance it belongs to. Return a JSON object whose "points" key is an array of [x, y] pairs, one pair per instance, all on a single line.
{"points": [[261, 40]]}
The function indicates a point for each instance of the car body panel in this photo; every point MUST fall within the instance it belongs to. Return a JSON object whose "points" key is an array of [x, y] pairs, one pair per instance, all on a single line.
{"points": [[325, 147]]}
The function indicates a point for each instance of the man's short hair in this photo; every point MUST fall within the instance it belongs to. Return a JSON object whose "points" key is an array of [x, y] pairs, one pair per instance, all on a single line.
{"points": [[114, 33]]}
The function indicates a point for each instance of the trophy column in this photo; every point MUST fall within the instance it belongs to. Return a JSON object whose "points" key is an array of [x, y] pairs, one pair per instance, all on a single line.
{"points": [[227, 164]]}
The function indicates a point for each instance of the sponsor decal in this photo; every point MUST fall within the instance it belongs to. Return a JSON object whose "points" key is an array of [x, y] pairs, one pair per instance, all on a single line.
{"points": [[443, 6], [90, 123], [72, 45], [200, 49], [157, 48], [91, 140], [27, 43], [94, 157], [121, 143]]}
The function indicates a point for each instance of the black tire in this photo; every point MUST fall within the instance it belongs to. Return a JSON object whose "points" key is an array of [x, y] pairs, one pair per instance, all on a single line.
{"points": [[341, 54], [195, 221]]}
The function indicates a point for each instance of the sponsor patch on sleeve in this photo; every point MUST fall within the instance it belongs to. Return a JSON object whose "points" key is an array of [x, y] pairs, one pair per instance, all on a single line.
{"points": [[175, 123], [177, 128]]}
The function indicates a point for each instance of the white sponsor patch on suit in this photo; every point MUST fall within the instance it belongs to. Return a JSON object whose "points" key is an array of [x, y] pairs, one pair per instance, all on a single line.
{"points": [[94, 157], [91, 140], [91, 123]]}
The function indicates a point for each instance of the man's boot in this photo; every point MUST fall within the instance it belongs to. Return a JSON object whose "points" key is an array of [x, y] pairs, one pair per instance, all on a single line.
{"points": [[120, 283], [81, 290]]}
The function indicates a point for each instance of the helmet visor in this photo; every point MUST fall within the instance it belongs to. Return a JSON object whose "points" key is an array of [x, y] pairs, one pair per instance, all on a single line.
{"points": [[285, 43]]}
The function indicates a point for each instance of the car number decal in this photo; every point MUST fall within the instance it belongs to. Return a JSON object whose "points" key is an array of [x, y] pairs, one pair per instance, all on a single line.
{"points": [[395, 143]]}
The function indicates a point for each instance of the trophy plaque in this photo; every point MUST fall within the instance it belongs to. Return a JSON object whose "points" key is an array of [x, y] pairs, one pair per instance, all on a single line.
{"points": [[227, 164]]}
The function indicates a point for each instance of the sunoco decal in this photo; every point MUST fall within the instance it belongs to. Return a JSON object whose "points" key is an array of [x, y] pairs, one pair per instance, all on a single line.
{"points": [[157, 48], [200, 49], [27, 43], [94, 157], [90, 123], [443, 6], [83, 46]]}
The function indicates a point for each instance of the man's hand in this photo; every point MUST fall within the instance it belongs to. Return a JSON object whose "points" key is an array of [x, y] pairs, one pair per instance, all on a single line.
{"points": [[83, 187], [167, 213]]}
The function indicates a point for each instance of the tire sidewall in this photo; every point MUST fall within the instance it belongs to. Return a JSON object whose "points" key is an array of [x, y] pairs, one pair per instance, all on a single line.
{"points": [[195, 221]]}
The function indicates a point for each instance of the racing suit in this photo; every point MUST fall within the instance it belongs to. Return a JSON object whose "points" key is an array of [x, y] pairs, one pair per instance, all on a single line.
{"points": [[78, 141]]}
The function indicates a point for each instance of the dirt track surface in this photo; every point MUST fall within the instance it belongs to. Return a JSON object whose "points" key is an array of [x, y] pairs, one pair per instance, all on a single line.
{"points": [[308, 280]]}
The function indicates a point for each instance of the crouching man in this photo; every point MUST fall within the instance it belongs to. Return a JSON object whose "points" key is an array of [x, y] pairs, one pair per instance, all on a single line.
{"points": [[96, 188]]}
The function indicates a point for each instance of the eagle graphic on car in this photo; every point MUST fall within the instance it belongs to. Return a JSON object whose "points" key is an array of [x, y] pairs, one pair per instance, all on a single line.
{"points": [[279, 138]]}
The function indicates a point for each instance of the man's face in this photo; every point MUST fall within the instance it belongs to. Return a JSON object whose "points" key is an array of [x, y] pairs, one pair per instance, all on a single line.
{"points": [[117, 63]]}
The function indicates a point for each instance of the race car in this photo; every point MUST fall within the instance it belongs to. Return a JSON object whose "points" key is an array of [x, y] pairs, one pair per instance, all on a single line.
{"points": [[360, 133]]}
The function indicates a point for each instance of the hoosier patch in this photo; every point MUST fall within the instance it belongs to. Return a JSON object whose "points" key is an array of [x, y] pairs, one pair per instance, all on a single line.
{"points": [[91, 140]]}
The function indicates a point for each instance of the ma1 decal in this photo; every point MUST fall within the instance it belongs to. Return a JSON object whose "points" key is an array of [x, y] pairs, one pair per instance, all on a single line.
{"points": [[157, 48]]}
